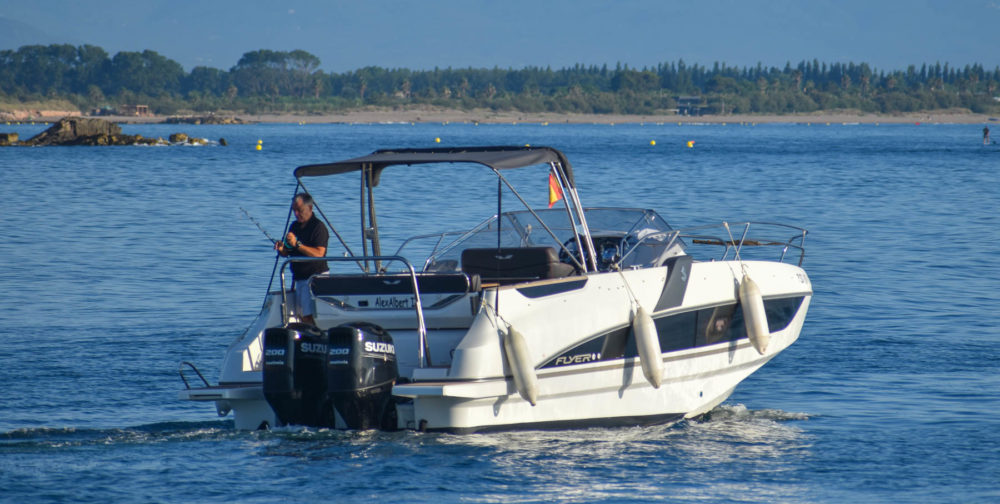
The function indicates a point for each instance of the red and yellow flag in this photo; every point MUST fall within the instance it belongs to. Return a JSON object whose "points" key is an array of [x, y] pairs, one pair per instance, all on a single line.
{"points": [[555, 192]]}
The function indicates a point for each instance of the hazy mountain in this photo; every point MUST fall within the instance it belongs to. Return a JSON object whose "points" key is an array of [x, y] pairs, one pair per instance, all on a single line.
{"points": [[14, 34], [348, 35]]}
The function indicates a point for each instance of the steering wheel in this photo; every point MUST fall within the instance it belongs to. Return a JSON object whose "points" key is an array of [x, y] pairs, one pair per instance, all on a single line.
{"points": [[568, 251], [608, 249]]}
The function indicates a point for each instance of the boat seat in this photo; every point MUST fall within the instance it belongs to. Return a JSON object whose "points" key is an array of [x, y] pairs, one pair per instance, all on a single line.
{"points": [[514, 265]]}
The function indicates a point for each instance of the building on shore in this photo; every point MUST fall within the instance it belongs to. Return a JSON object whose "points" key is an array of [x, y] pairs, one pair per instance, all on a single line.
{"points": [[688, 105], [134, 110]]}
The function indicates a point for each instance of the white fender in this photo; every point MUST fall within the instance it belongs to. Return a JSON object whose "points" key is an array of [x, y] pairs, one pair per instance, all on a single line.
{"points": [[754, 316], [521, 365], [648, 343]]}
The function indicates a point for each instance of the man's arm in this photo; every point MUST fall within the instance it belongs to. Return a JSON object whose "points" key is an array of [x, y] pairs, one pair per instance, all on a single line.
{"points": [[303, 248]]}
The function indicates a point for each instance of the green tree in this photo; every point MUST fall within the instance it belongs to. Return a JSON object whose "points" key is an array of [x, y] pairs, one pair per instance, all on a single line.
{"points": [[145, 73]]}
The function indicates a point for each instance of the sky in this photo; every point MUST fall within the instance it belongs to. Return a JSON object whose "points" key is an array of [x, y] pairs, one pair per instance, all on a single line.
{"points": [[420, 35]]}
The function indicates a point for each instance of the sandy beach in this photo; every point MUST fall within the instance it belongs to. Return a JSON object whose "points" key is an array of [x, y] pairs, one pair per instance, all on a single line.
{"points": [[485, 116]]}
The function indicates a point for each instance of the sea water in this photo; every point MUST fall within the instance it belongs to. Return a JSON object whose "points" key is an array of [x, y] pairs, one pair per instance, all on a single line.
{"points": [[118, 263]]}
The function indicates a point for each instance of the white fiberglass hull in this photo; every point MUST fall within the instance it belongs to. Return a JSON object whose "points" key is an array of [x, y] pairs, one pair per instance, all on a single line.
{"points": [[570, 328], [606, 392]]}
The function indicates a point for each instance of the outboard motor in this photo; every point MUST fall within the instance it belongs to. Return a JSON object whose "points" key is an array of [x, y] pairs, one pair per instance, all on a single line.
{"points": [[295, 381], [362, 370]]}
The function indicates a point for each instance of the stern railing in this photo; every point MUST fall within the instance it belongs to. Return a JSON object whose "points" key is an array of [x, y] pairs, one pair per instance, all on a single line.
{"points": [[423, 355]]}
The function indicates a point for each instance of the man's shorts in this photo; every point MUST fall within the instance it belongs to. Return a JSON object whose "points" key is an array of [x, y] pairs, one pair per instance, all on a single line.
{"points": [[303, 303]]}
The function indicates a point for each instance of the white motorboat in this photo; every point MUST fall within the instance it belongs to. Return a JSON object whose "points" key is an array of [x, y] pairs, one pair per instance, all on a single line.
{"points": [[536, 318]]}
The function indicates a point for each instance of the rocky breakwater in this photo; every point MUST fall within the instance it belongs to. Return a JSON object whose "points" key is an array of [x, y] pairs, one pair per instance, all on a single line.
{"points": [[90, 131]]}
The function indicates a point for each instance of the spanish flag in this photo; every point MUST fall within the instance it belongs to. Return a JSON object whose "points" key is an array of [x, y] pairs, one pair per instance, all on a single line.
{"points": [[555, 192]]}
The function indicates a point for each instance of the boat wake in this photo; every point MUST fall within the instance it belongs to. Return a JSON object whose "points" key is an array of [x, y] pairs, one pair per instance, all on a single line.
{"points": [[28, 439], [739, 412], [733, 419]]}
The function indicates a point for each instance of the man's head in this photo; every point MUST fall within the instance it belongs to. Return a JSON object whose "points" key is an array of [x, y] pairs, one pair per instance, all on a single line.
{"points": [[302, 205]]}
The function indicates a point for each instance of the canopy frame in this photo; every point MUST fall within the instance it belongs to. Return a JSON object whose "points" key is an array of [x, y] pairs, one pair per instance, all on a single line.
{"points": [[496, 158]]}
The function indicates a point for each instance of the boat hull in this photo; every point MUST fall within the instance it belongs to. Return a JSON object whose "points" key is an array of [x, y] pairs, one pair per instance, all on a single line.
{"points": [[613, 393], [471, 387]]}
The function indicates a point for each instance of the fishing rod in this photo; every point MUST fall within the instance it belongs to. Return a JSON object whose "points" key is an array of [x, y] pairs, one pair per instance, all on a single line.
{"points": [[284, 242]]}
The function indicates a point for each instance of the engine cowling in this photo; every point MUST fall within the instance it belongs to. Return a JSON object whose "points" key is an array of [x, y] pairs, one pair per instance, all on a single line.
{"points": [[295, 374], [361, 371]]}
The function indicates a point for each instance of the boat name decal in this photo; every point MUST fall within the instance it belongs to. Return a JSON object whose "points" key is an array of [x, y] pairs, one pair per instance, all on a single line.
{"points": [[380, 347], [565, 360], [395, 302]]}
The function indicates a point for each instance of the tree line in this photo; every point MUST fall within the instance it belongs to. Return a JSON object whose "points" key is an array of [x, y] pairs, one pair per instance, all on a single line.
{"points": [[290, 81]]}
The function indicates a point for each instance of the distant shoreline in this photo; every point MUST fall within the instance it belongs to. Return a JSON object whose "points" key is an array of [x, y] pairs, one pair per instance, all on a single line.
{"points": [[490, 117], [376, 116]]}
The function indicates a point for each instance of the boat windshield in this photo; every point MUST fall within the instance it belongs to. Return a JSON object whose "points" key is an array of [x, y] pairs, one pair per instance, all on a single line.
{"points": [[623, 238]]}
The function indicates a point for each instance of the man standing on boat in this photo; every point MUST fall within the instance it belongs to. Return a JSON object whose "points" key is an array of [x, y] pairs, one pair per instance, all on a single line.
{"points": [[307, 237]]}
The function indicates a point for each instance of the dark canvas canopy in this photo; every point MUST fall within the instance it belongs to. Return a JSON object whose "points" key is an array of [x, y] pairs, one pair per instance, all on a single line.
{"points": [[499, 158]]}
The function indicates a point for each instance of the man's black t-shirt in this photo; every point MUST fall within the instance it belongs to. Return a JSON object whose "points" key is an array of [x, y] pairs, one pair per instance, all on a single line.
{"points": [[312, 234]]}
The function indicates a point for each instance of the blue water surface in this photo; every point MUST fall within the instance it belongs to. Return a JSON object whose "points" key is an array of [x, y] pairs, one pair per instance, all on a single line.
{"points": [[120, 262]]}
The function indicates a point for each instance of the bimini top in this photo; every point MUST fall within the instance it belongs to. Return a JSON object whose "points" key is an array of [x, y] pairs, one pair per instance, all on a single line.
{"points": [[499, 158]]}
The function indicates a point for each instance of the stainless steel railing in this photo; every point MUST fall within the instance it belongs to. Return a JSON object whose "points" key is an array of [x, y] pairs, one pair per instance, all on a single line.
{"points": [[422, 351], [701, 235]]}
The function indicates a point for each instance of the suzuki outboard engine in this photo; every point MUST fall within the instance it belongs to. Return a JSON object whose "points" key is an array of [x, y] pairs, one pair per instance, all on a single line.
{"points": [[295, 380], [362, 370]]}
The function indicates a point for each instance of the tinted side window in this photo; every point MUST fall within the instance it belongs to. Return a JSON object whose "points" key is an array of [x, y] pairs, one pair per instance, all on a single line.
{"points": [[715, 325], [615, 344], [676, 331], [780, 312]]}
